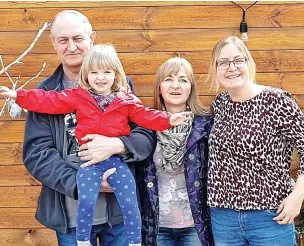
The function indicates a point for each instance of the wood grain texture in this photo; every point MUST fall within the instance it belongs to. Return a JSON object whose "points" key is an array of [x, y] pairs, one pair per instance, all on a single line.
{"points": [[11, 132], [96, 4], [161, 17], [11, 153], [18, 218], [163, 40], [17, 197], [295, 164], [16, 176], [27, 237]]}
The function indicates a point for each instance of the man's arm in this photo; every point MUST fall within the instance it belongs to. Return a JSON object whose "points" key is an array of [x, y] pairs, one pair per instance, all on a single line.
{"points": [[139, 144], [42, 159], [136, 147]]}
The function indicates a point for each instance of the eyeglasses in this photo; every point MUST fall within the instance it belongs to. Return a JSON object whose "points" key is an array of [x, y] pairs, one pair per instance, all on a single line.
{"points": [[223, 65]]}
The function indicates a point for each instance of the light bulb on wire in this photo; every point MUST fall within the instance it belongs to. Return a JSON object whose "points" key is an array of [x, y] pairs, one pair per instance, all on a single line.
{"points": [[243, 24], [244, 30]]}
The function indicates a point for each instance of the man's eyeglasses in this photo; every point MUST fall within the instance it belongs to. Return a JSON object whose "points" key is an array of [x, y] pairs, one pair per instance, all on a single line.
{"points": [[224, 65]]}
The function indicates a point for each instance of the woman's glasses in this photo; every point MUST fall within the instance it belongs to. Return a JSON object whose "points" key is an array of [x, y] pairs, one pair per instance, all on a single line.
{"points": [[224, 65]]}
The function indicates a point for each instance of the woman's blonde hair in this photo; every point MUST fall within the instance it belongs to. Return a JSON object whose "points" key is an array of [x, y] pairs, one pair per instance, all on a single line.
{"points": [[103, 56], [172, 67], [239, 44]]}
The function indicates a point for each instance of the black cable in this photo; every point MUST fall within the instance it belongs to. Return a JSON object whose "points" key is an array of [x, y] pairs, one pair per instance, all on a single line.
{"points": [[243, 24], [242, 7]]}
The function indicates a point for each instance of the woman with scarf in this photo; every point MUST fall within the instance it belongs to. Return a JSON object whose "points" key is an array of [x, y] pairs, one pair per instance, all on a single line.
{"points": [[173, 182]]}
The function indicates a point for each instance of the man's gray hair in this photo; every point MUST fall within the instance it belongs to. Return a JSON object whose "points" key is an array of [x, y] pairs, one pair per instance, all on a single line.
{"points": [[80, 16]]}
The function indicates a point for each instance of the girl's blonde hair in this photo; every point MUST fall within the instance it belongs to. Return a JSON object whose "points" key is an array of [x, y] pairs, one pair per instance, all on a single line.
{"points": [[172, 67], [103, 56], [239, 44]]}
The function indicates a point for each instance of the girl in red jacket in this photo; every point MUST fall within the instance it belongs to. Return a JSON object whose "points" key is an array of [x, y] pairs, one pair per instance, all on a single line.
{"points": [[103, 106]]}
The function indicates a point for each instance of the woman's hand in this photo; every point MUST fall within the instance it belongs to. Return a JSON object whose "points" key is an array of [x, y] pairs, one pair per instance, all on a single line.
{"points": [[291, 205], [8, 93], [177, 119], [289, 209], [99, 148]]}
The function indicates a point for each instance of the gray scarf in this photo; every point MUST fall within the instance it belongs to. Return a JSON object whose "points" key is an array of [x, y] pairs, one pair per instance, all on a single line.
{"points": [[173, 143]]}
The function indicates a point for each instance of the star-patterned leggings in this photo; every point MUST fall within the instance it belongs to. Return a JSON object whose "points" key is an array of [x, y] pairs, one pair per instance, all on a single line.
{"points": [[124, 187]]}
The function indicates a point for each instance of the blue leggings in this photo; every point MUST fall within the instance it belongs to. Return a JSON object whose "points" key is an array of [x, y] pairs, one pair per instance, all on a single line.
{"points": [[124, 187]]}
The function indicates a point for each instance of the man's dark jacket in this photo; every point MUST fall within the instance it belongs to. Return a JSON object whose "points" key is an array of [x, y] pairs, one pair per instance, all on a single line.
{"points": [[43, 158]]}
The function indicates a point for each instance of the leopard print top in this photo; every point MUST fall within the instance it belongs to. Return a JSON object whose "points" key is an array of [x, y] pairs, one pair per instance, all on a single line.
{"points": [[250, 150]]}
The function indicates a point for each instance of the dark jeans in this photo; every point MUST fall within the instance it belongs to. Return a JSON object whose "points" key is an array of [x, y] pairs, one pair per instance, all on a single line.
{"points": [[115, 236], [178, 237]]}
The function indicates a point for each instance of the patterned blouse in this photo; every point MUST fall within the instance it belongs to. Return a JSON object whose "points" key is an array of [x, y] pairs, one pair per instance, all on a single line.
{"points": [[251, 148]]}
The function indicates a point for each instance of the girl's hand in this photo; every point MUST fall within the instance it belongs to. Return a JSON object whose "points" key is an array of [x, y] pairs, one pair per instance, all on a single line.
{"points": [[6, 92], [289, 209], [177, 119]]}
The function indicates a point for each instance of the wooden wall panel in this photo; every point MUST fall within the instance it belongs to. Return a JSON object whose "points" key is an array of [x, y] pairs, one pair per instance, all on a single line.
{"points": [[27, 237], [293, 82], [16, 175], [11, 153], [11, 131], [145, 33], [18, 218], [19, 197], [163, 40], [161, 17], [96, 4]]}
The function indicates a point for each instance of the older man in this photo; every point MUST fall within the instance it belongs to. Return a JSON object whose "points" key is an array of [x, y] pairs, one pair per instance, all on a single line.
{"points": [[50, 148]]}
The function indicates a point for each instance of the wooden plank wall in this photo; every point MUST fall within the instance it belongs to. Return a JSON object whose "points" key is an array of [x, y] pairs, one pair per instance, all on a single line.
{"points": [[145, 34]]}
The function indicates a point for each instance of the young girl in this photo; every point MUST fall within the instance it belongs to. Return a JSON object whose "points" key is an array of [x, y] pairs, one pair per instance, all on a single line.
{"points": [[104, 107]]}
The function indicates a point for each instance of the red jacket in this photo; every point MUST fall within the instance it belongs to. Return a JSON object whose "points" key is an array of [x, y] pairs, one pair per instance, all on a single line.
{"points": [[112, 122]]}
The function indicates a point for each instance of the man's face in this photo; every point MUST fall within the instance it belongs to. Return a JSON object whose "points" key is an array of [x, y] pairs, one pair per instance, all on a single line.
{"points": [[71, 41]]}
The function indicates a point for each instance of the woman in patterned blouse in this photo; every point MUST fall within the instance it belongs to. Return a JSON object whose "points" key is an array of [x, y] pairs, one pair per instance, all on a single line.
{"points": [[253, 199]]}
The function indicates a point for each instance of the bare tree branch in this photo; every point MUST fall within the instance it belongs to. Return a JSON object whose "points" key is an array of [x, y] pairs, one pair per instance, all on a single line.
{"points": [[18, 60], [17, 79], [37, 75], [13, 108], [3, 107], [9, 77]]}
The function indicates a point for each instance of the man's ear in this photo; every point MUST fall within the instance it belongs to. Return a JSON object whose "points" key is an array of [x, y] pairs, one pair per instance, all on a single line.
{"points": [[93, 37], [52, 40]]}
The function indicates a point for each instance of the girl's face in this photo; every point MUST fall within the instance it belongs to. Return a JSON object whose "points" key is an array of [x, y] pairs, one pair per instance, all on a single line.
{"points": [[232, 69], [175, 90], [101, 80]]}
